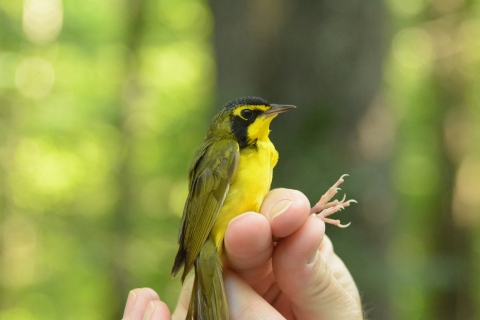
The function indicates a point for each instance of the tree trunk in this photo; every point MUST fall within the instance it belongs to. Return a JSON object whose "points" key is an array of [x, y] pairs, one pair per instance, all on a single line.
{"points": [[326, 58]]}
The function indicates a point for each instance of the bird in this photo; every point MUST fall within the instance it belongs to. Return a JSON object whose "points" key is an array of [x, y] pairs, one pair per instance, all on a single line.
{"points": [[230, 174]]}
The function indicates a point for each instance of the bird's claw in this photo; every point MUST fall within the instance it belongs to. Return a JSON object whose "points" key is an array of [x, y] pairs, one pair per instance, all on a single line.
{"points": [[323, 208]]}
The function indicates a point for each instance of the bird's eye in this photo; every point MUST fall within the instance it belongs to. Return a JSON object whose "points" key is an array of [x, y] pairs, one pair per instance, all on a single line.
{"points": [[246, 114]]}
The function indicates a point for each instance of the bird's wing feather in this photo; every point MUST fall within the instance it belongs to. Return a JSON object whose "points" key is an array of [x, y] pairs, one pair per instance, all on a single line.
{"points": [[210, 175]]}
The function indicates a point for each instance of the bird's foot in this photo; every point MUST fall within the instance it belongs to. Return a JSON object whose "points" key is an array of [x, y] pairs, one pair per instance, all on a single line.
{"points": [[323, 208]]}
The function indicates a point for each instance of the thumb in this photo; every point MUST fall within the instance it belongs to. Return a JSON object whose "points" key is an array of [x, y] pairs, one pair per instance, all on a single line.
{"points": [[307, 279], [244, 302]]}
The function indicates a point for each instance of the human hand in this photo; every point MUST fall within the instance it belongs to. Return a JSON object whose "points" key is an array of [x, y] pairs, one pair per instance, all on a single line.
{"points": [[145, 304], [299, 277]]}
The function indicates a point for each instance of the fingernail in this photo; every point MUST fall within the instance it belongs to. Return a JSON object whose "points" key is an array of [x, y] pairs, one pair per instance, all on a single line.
{"points": [[132, 298], [279, 207], [152, 293], [240, 216], [149, 312]]}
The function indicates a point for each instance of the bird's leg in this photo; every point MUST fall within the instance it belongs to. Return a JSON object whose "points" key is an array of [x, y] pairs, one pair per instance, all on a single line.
{"points": [[323, 208]]}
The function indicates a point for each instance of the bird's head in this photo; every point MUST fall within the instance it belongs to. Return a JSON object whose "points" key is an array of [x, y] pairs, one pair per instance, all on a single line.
{"points": [[246, 119]]}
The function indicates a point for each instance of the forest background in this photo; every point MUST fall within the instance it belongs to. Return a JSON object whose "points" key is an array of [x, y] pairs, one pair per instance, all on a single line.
{"points": [[103, 104]]}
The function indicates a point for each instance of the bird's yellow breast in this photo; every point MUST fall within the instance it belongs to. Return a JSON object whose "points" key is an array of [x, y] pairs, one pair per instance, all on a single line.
{"points": [[249, 187]]}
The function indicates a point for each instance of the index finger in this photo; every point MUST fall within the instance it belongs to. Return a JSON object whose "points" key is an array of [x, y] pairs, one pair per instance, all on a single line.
{"points": [[286, 209], [248, 238]]}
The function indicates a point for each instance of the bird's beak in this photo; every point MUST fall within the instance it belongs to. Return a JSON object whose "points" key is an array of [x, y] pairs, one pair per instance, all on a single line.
{"points": [[278, 108]]}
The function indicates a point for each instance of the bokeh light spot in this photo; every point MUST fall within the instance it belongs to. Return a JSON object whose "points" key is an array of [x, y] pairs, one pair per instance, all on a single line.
{"points": [[42, 20], [469, 32], [413, 48], [407, 7], [35, 77]]}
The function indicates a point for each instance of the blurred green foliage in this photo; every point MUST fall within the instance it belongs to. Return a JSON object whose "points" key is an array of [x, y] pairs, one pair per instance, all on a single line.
{"points": [[103, 103], [432, 79]]}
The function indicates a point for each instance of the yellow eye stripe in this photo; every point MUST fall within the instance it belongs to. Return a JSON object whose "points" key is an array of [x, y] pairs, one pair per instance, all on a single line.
{"points": [[239, 109]]}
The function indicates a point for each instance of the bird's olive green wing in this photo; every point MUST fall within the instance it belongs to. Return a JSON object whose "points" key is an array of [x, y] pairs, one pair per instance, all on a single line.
{"points": [[210, 176]]}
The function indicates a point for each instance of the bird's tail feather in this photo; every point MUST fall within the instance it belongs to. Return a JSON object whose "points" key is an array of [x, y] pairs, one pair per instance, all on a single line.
{"points": [[208, 301]]}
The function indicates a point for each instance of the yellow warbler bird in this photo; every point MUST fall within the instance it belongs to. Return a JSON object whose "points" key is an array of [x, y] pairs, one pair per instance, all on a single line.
{"points": [[230, 174]]}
